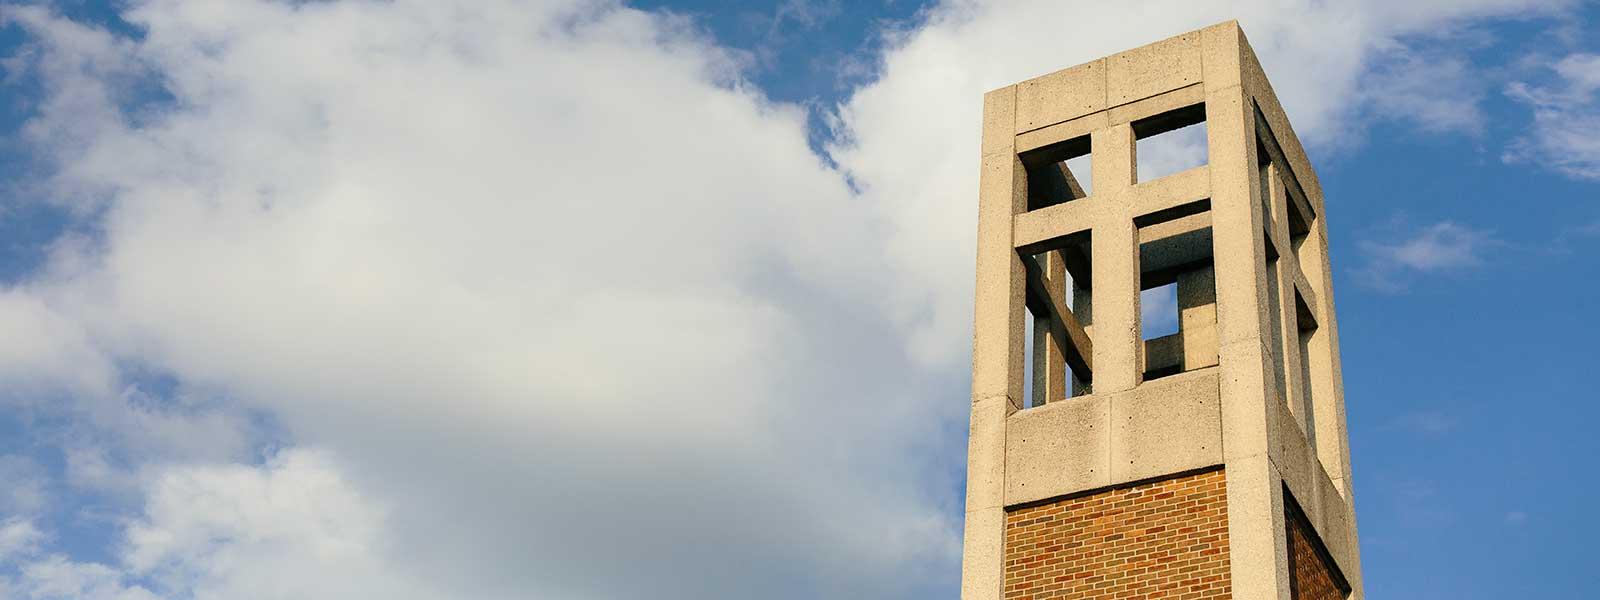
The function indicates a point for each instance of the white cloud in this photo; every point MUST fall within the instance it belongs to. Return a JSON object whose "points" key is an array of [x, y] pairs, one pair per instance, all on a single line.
{"points": [[1440, 247], [566, 307], [18, 537], [1565, 134], [1436, 90]]}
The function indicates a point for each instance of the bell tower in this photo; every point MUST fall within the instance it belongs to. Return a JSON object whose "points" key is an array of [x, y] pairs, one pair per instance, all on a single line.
{"points": [[1105, 460]]}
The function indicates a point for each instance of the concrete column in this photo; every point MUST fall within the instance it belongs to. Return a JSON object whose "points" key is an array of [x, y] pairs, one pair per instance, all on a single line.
{"points": [[1083, 308], [1197, 317], [997, 348], [1118, 351], [1049, 363], [1259, 563]]}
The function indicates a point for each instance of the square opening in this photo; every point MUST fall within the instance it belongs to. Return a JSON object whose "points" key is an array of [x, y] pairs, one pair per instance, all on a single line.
{"points": [[1057, 324], [1058, 173], [1170, 142], [1178, 298], [1158, 311]]}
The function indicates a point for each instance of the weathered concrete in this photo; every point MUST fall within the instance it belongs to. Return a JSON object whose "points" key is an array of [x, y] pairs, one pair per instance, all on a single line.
{"points": [[1251, 382]]}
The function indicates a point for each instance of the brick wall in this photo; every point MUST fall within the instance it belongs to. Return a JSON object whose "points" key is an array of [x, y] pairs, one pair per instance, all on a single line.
{"points": [[1311, 577], [1167, 539]]}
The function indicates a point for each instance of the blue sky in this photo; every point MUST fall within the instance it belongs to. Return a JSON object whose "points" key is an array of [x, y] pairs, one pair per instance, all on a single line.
{"points": [[503, 289]]}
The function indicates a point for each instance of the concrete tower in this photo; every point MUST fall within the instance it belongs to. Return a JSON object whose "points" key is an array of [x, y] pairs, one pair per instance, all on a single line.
{"points": [[1107, 462]]}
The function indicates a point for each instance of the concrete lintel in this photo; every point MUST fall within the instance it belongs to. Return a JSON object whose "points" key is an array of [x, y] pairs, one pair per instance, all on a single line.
{"points": [[1171, 192], [1185, 96], [1164, 258], [1048, 228], [1061, 132]]}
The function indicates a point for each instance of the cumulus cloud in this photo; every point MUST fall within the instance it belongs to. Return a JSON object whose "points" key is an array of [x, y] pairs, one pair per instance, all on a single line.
{"points": [[566, 307]]}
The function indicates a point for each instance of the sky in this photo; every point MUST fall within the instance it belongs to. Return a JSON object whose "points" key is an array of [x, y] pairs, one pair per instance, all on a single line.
{"points": [[596, 299]]}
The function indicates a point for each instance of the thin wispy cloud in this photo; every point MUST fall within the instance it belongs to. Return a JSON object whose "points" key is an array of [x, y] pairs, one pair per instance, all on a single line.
{"points": [[1392, 264], [1565, 133], [1427, 422]]}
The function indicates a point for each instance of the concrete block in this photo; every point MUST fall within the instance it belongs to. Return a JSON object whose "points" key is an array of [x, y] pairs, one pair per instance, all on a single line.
{"points": [[1197, 316], [999, 120], [986, 453], [983, 554], [1172, 191], [1057, 449], [1146, 71], [1166, 426], [1163, 353], [1060, 96], [1035, 230], [1220, 49]]}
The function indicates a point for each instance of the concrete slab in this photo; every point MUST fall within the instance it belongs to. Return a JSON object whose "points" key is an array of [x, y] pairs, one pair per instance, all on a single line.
{"points": [[1061, 96], [1149, 70], [1168, 425], [1057, 449]]}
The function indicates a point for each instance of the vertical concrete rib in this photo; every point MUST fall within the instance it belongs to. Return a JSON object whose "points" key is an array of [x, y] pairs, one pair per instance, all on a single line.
{"points": [[1118, 351], [1259, 563], [997, 348]]}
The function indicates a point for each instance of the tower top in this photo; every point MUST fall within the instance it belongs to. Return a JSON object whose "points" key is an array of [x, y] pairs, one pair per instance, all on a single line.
{"points": [[1110, 456]]}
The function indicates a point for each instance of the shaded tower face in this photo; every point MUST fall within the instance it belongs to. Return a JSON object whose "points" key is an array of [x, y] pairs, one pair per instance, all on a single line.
{"points": [[1191, 448]]}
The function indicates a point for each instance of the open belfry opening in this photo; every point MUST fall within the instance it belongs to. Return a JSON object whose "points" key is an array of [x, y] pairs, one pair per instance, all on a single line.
{"points": [[1202, 454]]}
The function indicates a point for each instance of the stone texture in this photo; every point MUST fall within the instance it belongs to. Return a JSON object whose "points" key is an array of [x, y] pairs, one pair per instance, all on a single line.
{"points": [[1060, 96], [1059, 449], [1149, 70], [983, 554], [1166, 426], [1102, 454], [986, 453]]}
